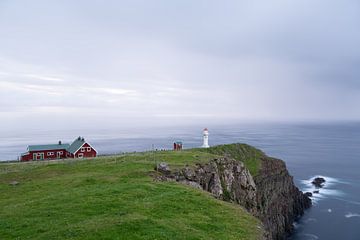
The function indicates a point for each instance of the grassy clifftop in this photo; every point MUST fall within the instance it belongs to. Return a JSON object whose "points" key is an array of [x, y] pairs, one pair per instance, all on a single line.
{"points": [[115, 198], [242, 152]]}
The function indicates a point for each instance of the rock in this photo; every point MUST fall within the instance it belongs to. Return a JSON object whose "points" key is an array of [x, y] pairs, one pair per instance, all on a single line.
{"points": [[279, 201], [316, 191], [14, 183], [318, 182], [308, 194], [193, 184], [229, 180], [163, 167], [271, 195], [160, 178], [189, 174]]}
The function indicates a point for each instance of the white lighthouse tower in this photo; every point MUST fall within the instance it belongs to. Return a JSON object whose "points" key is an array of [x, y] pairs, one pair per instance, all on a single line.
{"points": [[205, 138]]}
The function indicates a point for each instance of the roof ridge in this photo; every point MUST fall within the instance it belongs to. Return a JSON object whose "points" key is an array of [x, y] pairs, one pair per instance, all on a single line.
{"points": [[76, 144]]}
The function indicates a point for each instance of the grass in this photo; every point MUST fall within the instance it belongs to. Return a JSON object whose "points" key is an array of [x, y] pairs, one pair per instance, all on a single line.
{"points": [[249, 155], [114, 198]]}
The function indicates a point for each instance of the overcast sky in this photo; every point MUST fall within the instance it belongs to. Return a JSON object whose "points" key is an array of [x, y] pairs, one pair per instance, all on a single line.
{"points": [[68, 63]]}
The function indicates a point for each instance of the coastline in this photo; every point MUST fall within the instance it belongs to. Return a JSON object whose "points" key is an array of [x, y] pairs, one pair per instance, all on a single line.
{"points": [[262, 184]]}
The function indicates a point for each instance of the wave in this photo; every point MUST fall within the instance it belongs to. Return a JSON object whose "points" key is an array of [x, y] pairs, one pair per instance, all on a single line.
{"points": [[310, 220], [310, 236], [348, 201], [350, 215], [325, 191], [330, 181]]}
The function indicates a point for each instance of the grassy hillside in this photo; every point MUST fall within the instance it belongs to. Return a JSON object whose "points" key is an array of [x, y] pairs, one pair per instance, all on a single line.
{"points": [[249, 155], [114, 198]]}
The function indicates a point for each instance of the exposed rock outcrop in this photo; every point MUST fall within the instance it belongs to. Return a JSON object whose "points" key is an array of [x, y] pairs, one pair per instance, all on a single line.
{"points": [[279, 201], [309, 194], [163, 168], [270, 195], [225, 178], [318, 182]]}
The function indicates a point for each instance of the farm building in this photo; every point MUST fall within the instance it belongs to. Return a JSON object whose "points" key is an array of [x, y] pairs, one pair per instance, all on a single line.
{"points": [[78, 149]]}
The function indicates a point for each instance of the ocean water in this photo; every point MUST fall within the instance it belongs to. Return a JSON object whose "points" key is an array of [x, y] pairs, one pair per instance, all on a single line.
{"points": [[309, 150]]}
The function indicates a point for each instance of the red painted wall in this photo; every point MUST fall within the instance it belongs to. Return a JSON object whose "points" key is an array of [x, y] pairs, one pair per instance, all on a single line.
{"points": [[86, 153], [26, 157], [29, 156], [65, 154], [177, 147]]}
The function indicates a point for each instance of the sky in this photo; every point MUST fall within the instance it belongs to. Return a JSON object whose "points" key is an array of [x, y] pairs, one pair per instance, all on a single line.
{"points": [[67, 64]]}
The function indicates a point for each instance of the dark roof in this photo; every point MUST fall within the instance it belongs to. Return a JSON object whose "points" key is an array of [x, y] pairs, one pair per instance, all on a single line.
{"points": [[76, 145], [48, 147]]}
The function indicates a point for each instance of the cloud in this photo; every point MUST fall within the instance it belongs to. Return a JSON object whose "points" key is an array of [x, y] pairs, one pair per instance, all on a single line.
{"points": [[114, 91], [275, 60], [44, 78]]}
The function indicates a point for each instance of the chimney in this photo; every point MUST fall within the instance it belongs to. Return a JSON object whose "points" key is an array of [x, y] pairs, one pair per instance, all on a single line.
{"points": [[59, 142]]}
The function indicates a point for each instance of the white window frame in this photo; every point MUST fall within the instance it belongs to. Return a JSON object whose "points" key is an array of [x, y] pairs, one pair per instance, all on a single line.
{"points": [[80, 155], [88, 149], [82, 149], [50, 154], [41, 155]]}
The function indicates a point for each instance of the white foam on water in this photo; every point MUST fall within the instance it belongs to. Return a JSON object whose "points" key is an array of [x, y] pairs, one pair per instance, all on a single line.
{"points": [[350, 215], [310, 220], [296, 225], [310, 236], [329, 181], [324, 192], [348, 201]]}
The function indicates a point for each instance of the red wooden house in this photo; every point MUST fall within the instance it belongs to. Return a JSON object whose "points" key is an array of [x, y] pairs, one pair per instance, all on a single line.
{"points": [[78, 149]]}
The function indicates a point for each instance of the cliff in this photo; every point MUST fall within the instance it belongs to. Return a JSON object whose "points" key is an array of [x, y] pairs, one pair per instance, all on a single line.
{"points": [[267, 191], [114, 197], [279, 201]]}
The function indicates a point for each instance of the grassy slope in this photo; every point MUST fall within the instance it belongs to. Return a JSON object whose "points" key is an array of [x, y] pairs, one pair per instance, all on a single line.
{"points": [[242, 152], [114, 198]]}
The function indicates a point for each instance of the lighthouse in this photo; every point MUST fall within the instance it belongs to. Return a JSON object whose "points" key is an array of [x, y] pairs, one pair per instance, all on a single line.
{"points": [[205, 138]]}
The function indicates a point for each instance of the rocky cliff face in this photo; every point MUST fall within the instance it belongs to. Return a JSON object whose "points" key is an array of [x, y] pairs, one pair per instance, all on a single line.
{"points": [[271, 195], [279, 201]]}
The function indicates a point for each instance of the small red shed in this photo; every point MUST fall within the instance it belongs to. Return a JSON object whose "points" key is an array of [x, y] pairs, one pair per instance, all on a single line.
{"points": [[178, 146]]}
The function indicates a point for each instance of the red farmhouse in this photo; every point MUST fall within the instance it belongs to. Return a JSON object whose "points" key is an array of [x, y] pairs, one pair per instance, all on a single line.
{"points": [[78, 149]]}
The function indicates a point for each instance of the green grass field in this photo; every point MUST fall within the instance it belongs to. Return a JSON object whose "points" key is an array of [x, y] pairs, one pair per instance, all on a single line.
{"points": [[114, 198], [250, 156]]}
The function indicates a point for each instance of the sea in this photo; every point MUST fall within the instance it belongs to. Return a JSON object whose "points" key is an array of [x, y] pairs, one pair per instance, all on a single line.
{"points": [[329, 150]]}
